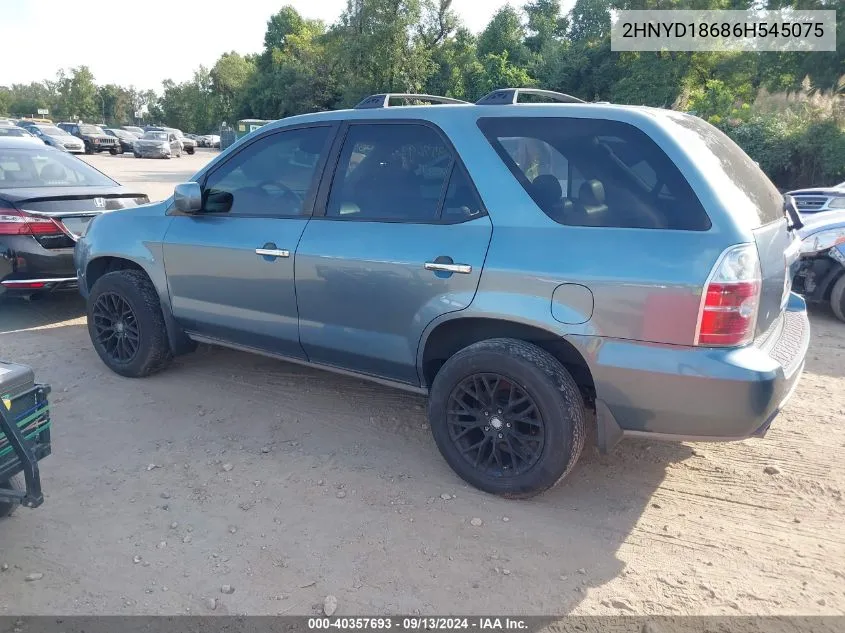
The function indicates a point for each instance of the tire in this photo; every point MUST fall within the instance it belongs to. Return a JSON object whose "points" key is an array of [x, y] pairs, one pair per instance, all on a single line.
{"points": [[144, 328], [113, 151], [837, 298], [88, 149], [15, 483], [136, 154], [190, 151], [556, 440]]}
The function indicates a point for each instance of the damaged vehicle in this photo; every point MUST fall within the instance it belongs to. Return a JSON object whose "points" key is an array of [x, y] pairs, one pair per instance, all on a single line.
{"points": [[820, 272]]}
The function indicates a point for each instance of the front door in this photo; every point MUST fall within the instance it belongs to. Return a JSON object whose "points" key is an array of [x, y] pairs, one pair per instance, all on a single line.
{"points": [[230, 266], [400, 240]]}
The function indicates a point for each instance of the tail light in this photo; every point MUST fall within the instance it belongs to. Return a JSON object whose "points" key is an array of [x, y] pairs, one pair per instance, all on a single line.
{"points": [[14, 222], [728, 313]]}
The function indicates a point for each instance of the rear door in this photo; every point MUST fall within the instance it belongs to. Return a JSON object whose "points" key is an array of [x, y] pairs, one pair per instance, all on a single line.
{"points": [[230, 266], [398, 239]]}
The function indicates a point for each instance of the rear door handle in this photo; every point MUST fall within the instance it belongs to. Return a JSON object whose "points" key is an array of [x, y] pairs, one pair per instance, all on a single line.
{"points": [[463, 269], [272, 252]]}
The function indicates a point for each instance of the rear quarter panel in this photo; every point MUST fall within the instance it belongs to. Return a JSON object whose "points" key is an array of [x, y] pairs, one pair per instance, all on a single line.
{"points": [[646, 283]]}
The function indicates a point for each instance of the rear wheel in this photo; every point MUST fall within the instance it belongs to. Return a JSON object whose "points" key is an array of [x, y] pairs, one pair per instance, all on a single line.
{"points": [[507, 417], [7, 508], [126, 324], [837, 298]]}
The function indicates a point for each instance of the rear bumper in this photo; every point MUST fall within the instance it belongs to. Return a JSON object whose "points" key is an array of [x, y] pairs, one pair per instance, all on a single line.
{"points": [[26, 267], [703, 394]]}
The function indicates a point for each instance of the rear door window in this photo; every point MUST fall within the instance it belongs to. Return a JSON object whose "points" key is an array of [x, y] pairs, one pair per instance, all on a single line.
{"points": [[591, 172], [390, 173]]}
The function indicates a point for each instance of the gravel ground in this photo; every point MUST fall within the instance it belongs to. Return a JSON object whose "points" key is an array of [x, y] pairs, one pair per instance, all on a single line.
{"points": [[237, 484]]}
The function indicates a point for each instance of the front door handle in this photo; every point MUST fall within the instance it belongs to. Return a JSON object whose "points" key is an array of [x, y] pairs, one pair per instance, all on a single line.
{"points": [[463, 269], [270, 250]]}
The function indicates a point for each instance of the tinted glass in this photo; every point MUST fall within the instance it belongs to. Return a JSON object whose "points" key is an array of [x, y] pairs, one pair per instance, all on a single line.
{"points": [[590, 172], [13, 131], [46, 168], [730, 169], [391, 173], [90, 129], [272, 176], [461, 202]]}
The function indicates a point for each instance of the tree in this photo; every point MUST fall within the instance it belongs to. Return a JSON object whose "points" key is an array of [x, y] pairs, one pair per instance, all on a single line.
{"points": [[504, 34], [229, 77], [590, 20]]}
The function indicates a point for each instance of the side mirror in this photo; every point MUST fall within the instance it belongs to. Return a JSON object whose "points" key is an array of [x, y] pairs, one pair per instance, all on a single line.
{"points": [[187, 197]]}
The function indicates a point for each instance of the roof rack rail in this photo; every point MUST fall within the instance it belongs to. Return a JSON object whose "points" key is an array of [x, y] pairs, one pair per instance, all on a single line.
{"points": [[511, 96], [383, 100]]}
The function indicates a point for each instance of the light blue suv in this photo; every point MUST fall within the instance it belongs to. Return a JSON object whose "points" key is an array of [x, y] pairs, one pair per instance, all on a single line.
{"points": [[534, 268]]}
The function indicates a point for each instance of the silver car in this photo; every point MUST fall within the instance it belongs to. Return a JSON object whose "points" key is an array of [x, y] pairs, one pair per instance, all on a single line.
{"points": [[58, 138], [157, 144]]}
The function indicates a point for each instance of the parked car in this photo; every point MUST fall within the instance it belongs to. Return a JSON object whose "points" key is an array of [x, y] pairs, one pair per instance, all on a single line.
{"points": [[157, 144], [57, 137], [188, 145], [819, 199], [820, 273], [93, 137], [134, 129], [47, 199], [126, 139], [202, 140], [637, 268], [16, 132], [213, 141]]}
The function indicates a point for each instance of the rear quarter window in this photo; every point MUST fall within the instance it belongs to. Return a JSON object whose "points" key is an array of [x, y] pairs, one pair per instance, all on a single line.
{"points": [[729, 169], [591, 172]]}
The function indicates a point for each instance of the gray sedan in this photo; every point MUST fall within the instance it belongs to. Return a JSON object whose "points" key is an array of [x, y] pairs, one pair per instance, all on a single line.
{"points": [[155, 144]]}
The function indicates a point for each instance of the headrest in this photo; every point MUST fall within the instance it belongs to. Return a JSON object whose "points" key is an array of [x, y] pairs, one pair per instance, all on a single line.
{"points": [[547, 189], [591, 193]]}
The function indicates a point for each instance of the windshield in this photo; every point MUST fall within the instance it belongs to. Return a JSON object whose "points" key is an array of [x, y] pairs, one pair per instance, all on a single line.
{"points": [[120, 133], [21, 168], [155, 136], [52, 130], [90, 129], [13, 131]]}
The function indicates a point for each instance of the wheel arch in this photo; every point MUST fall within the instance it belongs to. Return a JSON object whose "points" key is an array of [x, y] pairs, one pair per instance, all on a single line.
{"points": [[452, 335], [102, 265]]}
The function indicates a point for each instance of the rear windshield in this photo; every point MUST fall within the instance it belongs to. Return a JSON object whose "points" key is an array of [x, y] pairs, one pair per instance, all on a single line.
{"points": [[37, 167], [729, 169], [592, 172]]}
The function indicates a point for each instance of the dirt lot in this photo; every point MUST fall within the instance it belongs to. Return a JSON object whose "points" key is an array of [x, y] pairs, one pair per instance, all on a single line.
{"points": [[291, 484]]}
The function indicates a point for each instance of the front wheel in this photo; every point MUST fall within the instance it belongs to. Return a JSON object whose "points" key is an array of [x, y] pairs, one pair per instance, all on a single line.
{"points": [[837, 298], [126, 324], [507, 417], [113, 151], [88, 149], [136, 154]]}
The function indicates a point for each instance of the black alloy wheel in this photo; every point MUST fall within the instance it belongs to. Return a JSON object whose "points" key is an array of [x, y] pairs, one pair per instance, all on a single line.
{"points": [[495, 424], [116, 327]]}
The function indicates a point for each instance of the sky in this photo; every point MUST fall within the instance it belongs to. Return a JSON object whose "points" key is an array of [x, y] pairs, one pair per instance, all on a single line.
{"points": [[153, 39]]}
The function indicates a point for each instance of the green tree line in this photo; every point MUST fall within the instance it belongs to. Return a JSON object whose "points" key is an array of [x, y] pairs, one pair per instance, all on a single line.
{"points": [[306, 65]]}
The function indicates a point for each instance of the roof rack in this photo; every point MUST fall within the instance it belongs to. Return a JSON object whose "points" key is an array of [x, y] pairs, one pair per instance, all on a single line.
{"points": [[383, 100], [509, 96]]}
